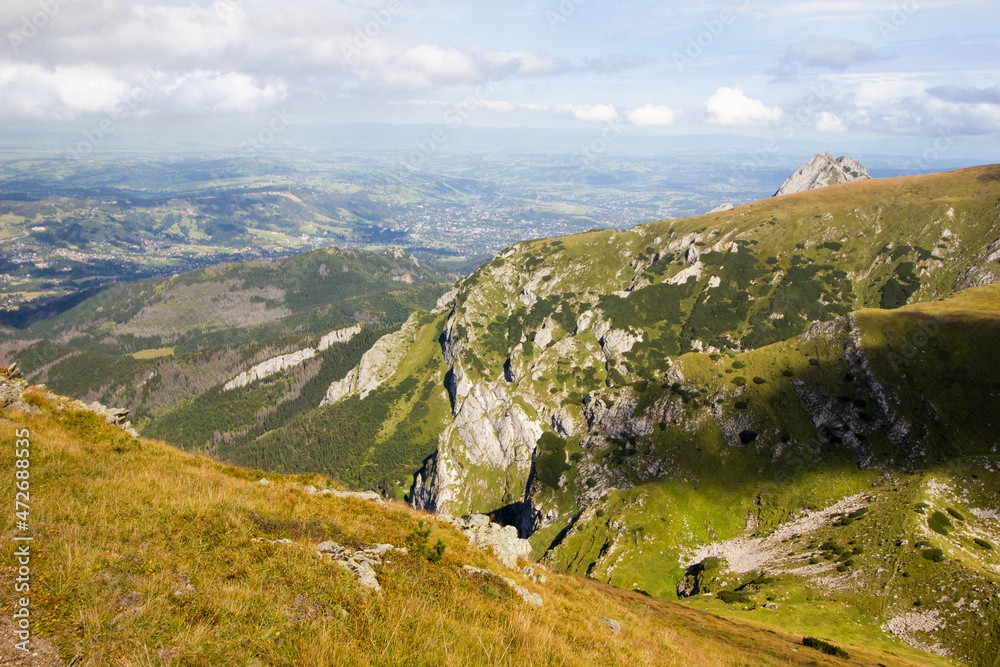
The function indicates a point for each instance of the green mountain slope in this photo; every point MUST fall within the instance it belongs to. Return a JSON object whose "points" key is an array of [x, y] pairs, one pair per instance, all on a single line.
{"points": [[166, 349], [628, 399], [142, 554]]}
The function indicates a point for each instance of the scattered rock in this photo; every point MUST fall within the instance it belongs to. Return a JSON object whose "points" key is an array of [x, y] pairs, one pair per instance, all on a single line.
{"points": [[12, 385], [612, 624], [534, 599], [363, 571], [361, 495], [483, 534], [692, 255], [360, 563], [186, 587]]}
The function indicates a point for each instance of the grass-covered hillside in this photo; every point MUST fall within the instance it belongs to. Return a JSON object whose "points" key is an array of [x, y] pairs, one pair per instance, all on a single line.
{"points": [[145, 555], [633, 401]]}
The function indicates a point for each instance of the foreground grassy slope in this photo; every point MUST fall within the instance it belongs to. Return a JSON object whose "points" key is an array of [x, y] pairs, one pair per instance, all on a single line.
{"points": [[146, 555]]}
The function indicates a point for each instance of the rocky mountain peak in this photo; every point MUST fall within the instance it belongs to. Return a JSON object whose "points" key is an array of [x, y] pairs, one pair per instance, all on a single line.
{"points": [[823, 170]]}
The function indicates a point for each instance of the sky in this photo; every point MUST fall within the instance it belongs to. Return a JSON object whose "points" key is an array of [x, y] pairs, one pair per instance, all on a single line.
{"points": [[805, 69]]}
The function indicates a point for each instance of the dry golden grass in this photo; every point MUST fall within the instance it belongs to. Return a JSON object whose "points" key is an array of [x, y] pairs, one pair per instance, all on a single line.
{"points": [[143, 556]]}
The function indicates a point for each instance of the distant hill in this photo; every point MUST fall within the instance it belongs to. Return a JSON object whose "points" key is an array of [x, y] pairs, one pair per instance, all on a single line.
{"points": [[226, 352], [821, 171]]}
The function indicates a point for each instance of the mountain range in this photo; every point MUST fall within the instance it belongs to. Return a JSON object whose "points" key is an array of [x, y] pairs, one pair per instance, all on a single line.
{"points": [[780, 412]]}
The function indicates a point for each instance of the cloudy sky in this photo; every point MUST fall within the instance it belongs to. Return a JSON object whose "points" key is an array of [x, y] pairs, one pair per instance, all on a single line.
{"points": [[879, 68]]}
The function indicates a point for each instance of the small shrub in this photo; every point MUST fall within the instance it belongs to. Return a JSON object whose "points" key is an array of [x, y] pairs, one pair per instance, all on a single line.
{"points": [[740, 381], [711, 563], [825, 647], [746, 437], [730, 597], [955, 513], [787, 373], [939, 523], [814, 362], [935, 555], [983, 544], [739, 364], [417, 543], [759, 380]]}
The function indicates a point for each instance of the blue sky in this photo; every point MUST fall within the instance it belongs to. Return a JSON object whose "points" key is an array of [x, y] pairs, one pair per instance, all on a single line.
{"points": [[850, 68]]}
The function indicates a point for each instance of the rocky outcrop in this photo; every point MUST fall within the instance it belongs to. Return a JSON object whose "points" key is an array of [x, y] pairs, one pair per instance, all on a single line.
{"points": [[983, 270], [270, 367], [13, 385], [362, 562], [484, 534], [490, 434], [823, 170], [377, 364], [533, 599], [338, 336], [277, 364], [720, 208], [612, 411]]}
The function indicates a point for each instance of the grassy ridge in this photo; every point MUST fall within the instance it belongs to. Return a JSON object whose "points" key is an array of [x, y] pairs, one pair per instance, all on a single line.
{"points": [[146, 555]]}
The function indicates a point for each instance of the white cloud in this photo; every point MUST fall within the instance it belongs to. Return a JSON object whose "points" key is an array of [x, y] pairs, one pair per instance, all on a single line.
{"points": [[601, 113], [828, 123], [731, 106], [60, 93], [651, 115], [223, 92], [833, 54], [233, 55], [428, 64]]}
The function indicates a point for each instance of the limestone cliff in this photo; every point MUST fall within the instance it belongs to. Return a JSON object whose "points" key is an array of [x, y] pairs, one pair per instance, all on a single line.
{"points": [[823, 170]]}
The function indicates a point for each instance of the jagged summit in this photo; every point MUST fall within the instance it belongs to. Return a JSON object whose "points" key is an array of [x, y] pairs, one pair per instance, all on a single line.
{"points": [[823, 170]]}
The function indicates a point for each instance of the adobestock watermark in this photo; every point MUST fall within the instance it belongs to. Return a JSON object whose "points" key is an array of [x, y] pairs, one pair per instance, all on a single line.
{"points": [[589, 153], [265, 136], [562, 13], [32, 24], [120, 112], [913, 343], [899, 17], [713, 29], [786, 127], [941, 145], [372, 29], [228, 10], [22, 542], [453, 117]]}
